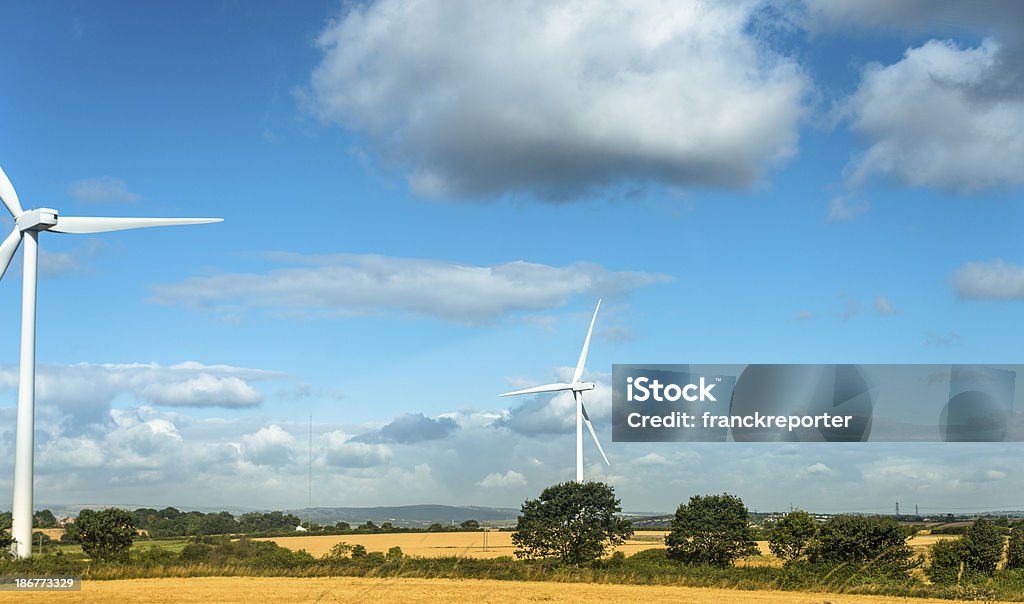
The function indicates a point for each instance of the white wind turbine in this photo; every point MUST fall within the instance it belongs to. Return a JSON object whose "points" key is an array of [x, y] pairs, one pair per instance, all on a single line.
{"points": [[27, 225], [577, 387]]}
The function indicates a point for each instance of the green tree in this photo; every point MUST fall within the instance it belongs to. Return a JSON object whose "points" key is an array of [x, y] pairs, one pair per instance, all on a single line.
{"points": [[574, 521], [878, 540], [5, 520], [470, 524], [395, 554], [1015, 551], [984, 542], [338, 551], [358, 551], [711, 529], [6, 541], [44, 519], [791, 536], [104, 535], [343, 526], [947, 561]]}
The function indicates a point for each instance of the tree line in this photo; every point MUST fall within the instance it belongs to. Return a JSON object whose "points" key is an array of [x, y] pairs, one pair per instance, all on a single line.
{"points": [[578, 522]]}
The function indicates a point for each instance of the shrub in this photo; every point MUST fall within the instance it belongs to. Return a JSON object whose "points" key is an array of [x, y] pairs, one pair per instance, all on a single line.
{"points": [[358, 551], [984, 542], [947, 561], [339, 551], [195, 552], [6, 541], [395, 554], [1015, 550], [711, 529], [879, 541], [152, 556], [105, 535], [791, 536]]}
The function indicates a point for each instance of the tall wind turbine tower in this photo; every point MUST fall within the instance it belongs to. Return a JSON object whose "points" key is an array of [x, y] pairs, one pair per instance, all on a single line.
{"points": [[27, 226], [578, 388]]}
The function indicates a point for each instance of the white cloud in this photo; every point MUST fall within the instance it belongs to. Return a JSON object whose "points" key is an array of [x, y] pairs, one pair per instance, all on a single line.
{"points": [[271, 446], [841, 209], [149, 456], [884, 307], [86, 390], [74, 452], [344, 452], [944, 117], [204, 390], [651, 459], [558, 99], [497, 480], [104, 189], [993, 280], [817, 469], [345, 285]]}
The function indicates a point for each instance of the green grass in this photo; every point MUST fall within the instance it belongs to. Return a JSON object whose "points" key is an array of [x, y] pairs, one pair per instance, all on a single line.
{"points": [[173, 545]]}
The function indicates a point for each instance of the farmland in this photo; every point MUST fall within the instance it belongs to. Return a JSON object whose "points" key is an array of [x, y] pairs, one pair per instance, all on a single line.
{"points": [[213, 590], [471, 544], [468, 544]]}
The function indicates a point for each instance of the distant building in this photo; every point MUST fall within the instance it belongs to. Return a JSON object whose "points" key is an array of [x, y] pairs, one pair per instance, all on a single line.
{"points": [[301, 529]]}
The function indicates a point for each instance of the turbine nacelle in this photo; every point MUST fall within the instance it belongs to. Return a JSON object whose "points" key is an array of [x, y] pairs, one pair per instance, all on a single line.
{"points": [[40, 219], [582, 386]]}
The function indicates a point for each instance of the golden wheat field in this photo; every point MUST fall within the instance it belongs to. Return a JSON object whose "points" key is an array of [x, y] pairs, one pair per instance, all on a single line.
{"points": [[214, 590], [469, 544]]}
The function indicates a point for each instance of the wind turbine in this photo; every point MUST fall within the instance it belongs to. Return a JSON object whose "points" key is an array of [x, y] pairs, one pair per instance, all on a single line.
{"points": [[27, 226], [578, 388]]}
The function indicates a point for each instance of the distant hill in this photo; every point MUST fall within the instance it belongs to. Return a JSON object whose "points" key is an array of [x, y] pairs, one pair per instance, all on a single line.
{"points": [[410, 515]]}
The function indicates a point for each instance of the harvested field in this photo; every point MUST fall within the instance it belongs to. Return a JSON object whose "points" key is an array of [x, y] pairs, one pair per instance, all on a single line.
{"points": [[214, 590], [443, 544]]}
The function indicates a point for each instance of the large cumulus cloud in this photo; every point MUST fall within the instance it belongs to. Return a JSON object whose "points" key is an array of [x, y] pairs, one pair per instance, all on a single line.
{"points": [[479, 99]]}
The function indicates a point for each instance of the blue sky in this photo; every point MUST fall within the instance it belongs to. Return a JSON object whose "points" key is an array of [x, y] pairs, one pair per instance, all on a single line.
{"points": [[424, 201]]}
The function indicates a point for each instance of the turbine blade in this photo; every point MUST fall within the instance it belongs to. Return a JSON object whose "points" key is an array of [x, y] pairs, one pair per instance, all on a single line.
{"points": [[95, 224], [544, 388], [586, 344], [590, 426], [7, 249], [9, 196]]}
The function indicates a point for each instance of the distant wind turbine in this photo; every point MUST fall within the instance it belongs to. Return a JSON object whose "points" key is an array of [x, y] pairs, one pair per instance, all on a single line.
{"points": [[27, 225], [577, 387]]}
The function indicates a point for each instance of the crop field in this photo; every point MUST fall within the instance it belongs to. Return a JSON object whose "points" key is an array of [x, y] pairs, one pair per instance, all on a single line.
{"points": [[469, 544], [214, 590]]}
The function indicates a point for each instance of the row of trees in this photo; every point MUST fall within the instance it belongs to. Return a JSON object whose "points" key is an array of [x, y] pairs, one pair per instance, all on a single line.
{"points": [[170, 522], [41, 519], [579, 522]]}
